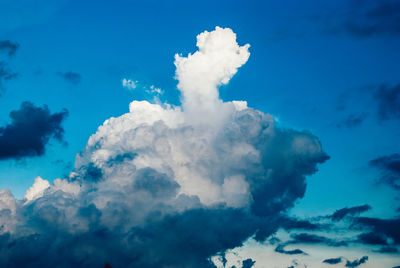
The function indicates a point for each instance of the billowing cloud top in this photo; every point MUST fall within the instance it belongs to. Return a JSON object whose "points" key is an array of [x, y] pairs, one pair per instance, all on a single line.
{"points": [[167, 186]]}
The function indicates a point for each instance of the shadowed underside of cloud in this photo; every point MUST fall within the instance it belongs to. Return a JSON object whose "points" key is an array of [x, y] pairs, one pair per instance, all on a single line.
{"points": [[30, 130], [166, 186], [389, 167]]}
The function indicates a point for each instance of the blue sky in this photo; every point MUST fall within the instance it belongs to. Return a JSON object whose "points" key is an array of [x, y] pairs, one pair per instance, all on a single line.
{"points": [[309, 68]]}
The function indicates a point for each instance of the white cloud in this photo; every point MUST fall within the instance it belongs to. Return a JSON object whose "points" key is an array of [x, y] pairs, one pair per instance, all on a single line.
{"points": [[37, 189], [221, 163], [130, 84], [217, 60]]}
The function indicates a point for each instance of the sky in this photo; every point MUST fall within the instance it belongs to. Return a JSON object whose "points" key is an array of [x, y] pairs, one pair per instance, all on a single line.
{"points": [[188, 134]]}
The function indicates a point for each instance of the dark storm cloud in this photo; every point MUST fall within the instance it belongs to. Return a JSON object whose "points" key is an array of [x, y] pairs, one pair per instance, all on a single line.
{"points": [[30, 130], [305, 238], [388, 249], [8, 47], [389, 167], [333, 260], [388, 100], [341, 213], [364, 19], [184, 240], [372, 239], [248, 263], [356, 263], [388, 228], [71, 77], [281, 249], [293, 223], [353, 120]]}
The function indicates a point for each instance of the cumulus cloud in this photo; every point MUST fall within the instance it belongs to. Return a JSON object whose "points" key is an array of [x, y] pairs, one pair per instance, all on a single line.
{"points": [[30, 130], [37, 189], [171, 186]]}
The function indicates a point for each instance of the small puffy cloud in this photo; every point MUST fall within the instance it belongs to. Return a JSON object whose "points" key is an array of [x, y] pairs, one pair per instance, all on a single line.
{"points": [[8, 47], [36, 190], [129, 84], [333, 260], [356, 262], [30, 130], [71, 77], [154, 90], [6, 74], [248, 263]]}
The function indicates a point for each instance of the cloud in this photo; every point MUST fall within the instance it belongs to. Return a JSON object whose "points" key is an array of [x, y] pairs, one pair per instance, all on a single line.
{"points": [[305, 238], [10, 48], [356, 263], [341, 213], [71, 77], [248, 263], [353, 120], [365, 19], [281, 249], [381, 227], [154, 90], [30, 130], [333, 260], [36, 190], [372, 239], [388, 249], [293, 223], [6, 74], [130, 84], [388, 99], [170, 186], [389, 167]]}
